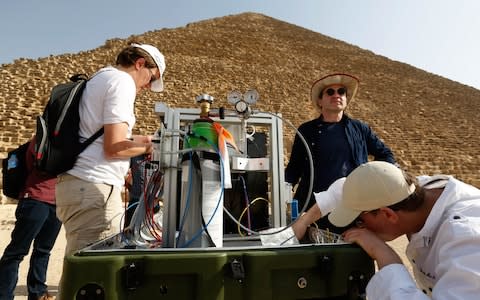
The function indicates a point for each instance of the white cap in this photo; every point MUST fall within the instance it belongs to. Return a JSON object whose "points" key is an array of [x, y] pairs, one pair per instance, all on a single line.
{"points": [[370, 186], [157, 85], [329, 199]]}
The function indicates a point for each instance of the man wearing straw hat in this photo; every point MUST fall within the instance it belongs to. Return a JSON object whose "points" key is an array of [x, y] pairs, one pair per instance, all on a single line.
{"points": [[338, 143]]}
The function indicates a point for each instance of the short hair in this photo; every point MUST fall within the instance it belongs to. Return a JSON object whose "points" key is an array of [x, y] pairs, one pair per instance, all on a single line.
{"points": [[129, 55]]}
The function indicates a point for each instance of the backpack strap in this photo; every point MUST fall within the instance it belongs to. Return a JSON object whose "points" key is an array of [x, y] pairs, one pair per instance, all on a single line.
{"points": [[91, 139], [78, 77], [96, 135]]}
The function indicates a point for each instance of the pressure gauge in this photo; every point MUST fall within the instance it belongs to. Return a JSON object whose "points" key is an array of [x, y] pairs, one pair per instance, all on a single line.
{"points": [[241, 107], [234, 96], [251, 96]]}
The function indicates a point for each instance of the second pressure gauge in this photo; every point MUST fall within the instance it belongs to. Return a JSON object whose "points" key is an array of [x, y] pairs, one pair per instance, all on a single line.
{"points": [[251, 96]]}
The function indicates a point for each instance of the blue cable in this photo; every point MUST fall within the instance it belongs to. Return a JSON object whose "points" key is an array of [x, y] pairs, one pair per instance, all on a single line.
{"points": [[204, 228]]}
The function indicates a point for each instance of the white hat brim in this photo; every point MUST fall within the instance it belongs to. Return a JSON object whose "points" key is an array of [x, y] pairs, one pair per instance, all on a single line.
{"points": [[342, 216], [157, 85]]}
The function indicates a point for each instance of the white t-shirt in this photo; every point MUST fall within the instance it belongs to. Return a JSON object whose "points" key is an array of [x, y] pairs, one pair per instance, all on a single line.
{"points": [[108, 98]]}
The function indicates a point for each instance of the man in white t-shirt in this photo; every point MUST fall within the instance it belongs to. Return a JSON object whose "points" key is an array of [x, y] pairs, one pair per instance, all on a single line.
{"points": [[89, 201], [439, 214]]}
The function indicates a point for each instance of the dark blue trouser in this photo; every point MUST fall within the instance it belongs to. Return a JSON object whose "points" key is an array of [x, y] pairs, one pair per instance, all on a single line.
{"points": [[37, 222]]}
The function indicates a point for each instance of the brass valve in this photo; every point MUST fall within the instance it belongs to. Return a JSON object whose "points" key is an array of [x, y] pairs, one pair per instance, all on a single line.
{"points": [[205, 101]]}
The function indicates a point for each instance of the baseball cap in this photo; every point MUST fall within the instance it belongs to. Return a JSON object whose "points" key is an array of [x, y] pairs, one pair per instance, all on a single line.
{"points": [[157, 85], [370, 186], [329, 199]]}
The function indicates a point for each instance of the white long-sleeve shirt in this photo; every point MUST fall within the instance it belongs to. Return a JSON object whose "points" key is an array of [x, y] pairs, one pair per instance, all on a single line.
{"points": [[445, 253]]}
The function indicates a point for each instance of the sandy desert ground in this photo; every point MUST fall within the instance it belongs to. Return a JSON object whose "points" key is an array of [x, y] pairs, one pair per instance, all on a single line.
{"points": [[7, 222]]}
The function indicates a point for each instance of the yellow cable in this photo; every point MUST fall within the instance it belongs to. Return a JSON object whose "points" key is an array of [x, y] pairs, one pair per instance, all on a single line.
{"points": [[239, 221]]}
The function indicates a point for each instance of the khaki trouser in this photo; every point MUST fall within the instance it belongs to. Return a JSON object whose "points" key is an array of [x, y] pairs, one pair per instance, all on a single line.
{"points": [[89, 211]]}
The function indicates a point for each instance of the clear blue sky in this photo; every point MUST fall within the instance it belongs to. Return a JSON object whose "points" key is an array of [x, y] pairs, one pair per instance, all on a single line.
{"points": [[438, 36]]}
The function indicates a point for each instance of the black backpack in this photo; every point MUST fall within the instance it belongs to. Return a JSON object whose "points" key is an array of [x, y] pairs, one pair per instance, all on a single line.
{"points": [[14, 171], [57, 138]]}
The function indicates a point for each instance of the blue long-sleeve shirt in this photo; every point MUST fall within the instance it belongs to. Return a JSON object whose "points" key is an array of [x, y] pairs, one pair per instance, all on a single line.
{"points": [[336, 148]]}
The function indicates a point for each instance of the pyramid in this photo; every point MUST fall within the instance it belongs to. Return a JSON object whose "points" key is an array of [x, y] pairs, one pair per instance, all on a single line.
{"points": [[429, 122]]}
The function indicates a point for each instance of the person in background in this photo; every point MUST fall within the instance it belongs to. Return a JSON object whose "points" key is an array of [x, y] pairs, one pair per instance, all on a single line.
{"points": [[37, 223], [338, 143], [440, 216], [89, 201]]}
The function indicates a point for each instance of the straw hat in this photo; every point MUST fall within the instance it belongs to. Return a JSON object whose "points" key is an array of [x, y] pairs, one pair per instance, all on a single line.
{"points": [[349, 81]]}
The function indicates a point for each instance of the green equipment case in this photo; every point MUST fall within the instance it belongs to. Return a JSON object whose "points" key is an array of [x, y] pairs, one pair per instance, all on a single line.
{"points": [[305, 271]]}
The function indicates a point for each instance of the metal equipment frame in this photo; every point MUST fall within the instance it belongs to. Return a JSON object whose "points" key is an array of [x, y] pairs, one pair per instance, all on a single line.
{"points": [[174, 120]]}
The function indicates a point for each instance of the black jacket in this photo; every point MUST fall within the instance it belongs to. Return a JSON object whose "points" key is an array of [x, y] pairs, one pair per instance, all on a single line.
{"points": [[361, 139]]}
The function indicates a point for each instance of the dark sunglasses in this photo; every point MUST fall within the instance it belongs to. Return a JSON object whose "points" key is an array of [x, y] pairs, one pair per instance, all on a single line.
{"points": [[340, 91]]}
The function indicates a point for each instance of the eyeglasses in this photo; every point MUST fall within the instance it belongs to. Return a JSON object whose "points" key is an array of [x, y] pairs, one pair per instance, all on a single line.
{"points": [[152, 76], [340, 91], [359, 222]]}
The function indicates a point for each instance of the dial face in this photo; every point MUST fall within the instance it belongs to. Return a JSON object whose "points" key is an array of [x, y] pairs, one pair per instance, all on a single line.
{"points": [[234, 96], [251, 96], [241, 106]]}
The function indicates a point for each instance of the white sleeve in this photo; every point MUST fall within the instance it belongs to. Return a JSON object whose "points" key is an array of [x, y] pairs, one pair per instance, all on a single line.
{"points": [[119, 100], [329, 199], [393, 282], [457, 272]]}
